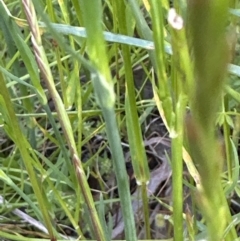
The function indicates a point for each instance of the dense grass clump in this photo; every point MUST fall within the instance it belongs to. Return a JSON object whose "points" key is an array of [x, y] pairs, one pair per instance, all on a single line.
{"points": [[119, 120]]}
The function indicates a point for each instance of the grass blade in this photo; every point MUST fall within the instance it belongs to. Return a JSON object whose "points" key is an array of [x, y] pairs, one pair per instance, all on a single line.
{"points": [[103, 87]]}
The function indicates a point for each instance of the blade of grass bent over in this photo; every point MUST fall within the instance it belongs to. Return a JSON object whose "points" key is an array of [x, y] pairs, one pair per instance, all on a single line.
{"points": [[111, 37]]}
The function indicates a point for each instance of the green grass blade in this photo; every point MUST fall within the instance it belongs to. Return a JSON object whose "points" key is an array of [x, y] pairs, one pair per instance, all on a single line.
{"points": [[103, 87], [13, 128], [138, 154]]}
